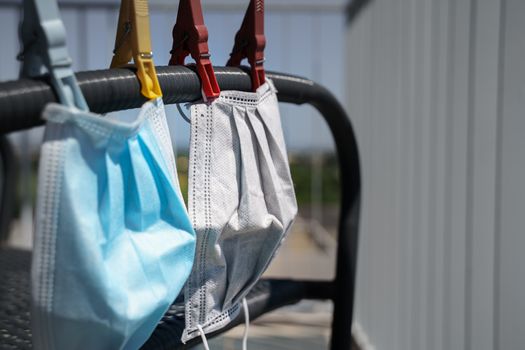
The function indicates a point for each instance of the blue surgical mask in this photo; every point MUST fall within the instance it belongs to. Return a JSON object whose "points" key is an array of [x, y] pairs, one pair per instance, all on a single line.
{"points": [[113, 242]]}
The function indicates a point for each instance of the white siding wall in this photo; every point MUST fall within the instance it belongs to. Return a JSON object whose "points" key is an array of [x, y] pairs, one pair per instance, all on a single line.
{"points": [[437, 92]]}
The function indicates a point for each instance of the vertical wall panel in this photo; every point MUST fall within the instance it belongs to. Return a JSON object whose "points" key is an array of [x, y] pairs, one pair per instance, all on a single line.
{"points": [[438, 126], [424, 59], [392, 109], [405, 202], [484, 164], [457, 175], [442, 122], [511, 228], [410, 165], [376, 249], [379, 156], [359, 68]]}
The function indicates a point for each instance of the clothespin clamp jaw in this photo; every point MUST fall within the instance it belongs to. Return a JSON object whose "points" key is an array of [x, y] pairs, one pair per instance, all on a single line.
{"points": [[190, 37], [250, 43], [44, 51], [133, 41]]}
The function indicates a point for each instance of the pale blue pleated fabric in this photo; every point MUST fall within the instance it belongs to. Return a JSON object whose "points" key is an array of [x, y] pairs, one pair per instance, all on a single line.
{"points": [[113, 242]]}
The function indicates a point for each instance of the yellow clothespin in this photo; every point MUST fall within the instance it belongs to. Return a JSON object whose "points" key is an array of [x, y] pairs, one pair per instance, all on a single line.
{"points": [[133, 40]]}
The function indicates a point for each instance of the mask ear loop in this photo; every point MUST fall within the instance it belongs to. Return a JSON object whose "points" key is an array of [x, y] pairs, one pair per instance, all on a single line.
{"points": [[246, 328], [246, 324], [203, 336], [183, 115]]}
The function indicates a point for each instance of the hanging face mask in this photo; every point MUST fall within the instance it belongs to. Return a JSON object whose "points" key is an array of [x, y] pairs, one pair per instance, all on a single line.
{"points": [[241, 202], [113, 243]]}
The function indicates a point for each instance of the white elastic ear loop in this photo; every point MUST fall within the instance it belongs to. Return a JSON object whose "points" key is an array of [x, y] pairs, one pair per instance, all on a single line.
{"points": [[183, 115], [203, 336], [246, 324]]}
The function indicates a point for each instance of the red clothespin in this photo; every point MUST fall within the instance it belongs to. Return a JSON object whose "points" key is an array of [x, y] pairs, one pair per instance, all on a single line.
{"points": [[190, 36], [250, 42]]}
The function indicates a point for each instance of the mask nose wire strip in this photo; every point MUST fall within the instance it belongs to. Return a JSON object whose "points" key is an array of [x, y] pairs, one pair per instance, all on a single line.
{"points": [[203, 336], [246, 324]]}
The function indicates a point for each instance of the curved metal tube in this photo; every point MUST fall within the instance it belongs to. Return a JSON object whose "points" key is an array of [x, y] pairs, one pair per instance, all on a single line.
{"points": [[22, 101]]}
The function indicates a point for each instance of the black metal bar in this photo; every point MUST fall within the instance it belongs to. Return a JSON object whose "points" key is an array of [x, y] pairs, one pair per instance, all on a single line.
{"points": [[22, 101]]}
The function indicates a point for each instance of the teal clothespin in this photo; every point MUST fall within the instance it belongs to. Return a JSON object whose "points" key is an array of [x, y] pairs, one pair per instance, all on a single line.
{"points": [[44, 50]]}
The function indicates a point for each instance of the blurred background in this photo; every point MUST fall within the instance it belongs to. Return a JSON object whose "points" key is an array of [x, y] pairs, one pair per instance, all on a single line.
{"points": [[436, 92]]}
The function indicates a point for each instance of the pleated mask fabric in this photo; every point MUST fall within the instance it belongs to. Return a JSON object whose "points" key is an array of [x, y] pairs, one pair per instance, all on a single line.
{"points": [[113, 241], [241, 202]]}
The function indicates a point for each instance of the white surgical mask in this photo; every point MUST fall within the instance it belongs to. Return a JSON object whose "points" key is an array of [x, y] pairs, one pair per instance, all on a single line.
{"points": [[241, 202]]}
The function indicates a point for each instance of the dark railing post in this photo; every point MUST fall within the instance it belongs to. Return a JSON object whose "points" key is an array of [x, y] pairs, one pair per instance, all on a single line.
{"points": [[292, 90]]}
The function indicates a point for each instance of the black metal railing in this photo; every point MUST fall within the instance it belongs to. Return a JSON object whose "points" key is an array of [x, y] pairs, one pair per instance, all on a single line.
{"points": [[22, 101]]}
